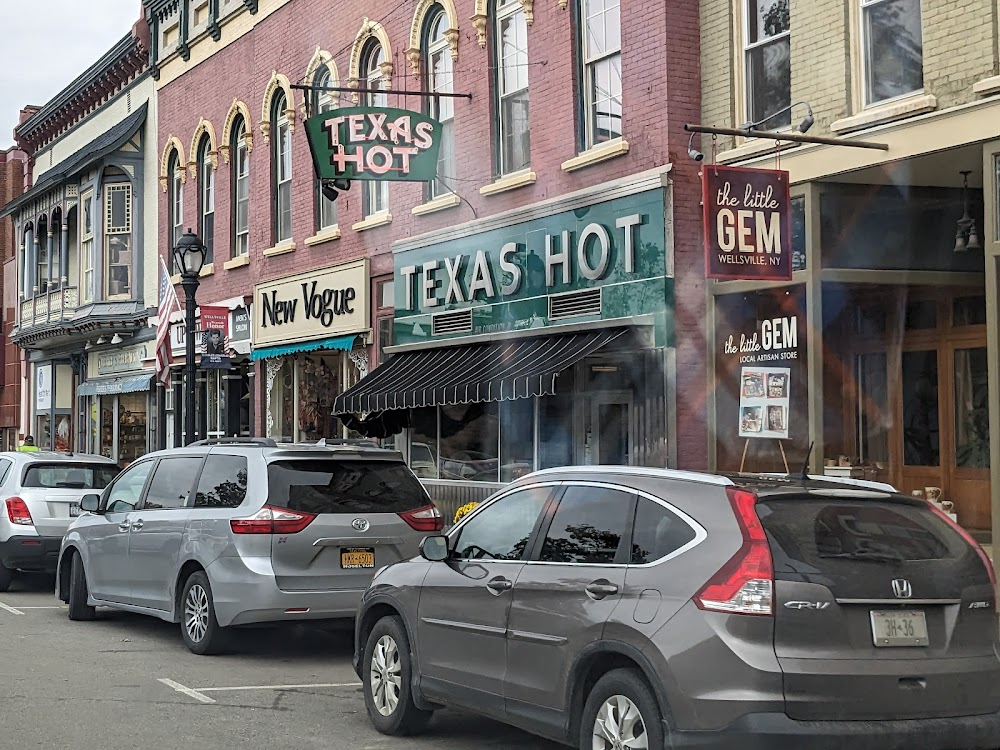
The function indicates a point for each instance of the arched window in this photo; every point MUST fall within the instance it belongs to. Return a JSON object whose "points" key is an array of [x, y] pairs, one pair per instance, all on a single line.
{"points": [[175, 191], [281, 168], [87, 261], [376, 193], [42, 258], [240, 181], [206, 197], [324, 102], [511, 87], [437, 54]]}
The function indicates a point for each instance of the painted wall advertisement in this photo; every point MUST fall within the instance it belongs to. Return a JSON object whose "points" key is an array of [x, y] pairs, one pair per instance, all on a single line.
{"points": [[765, 389], [748, 228]]}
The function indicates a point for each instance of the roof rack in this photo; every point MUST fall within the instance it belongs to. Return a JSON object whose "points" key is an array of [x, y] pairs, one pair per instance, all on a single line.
{"points": [[266, 442], [326, 442]]}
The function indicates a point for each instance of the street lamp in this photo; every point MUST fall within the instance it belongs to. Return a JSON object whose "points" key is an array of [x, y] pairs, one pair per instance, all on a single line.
{"points": [[189, 256]]}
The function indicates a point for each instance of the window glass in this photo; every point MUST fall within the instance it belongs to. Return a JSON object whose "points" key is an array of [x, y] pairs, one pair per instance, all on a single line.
{"points": [[439, 78], [921, 427], [894, 55], [223, 482], [658, 532], [512, 87], [118, 239], [282, 170], [470, 442], [768, 62], [555, 424], [517, 438], [325, 101], [502, 530], [126, 492], [588, 526], [5, 470], [207, 200], [176, 203], [376, 192], [344, 486], [171, 485], [972, 409], [602, 69], [241, 195], [67, 475], [423, 442]]}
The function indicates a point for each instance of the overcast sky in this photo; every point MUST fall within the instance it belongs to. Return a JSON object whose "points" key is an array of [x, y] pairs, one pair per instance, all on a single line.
{"points": [[48, 43]]}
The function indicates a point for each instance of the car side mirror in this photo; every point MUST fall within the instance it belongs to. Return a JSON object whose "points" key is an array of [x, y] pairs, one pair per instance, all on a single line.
{"points": [[90, 503], [435, 548]]}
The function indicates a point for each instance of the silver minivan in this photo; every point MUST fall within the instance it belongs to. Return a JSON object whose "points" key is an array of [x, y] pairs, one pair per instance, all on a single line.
{"points": [[235, 531]]}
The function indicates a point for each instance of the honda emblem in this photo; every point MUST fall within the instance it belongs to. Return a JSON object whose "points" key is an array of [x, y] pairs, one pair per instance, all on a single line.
{"points": [[360, 524], [902, 588]]}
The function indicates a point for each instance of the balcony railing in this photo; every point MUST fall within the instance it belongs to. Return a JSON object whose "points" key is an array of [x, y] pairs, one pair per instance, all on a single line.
{"points": [[49, 308]]}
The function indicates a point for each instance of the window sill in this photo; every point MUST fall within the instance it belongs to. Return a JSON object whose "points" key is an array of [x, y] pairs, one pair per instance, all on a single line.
{"points": [[207, 270], [324, 235], [882, 113], [237, 262], [285, 246], [597, 154], [987, 86], [510, 181], [375, 220], [438, 204]]}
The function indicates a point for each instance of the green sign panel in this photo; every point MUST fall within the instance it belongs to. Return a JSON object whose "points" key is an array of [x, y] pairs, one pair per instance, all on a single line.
{"points": [[374, 143], [521, 276]]}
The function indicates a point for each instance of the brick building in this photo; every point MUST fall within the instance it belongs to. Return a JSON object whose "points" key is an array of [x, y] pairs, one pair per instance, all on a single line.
{"points": [[895, 289], [12, 174], [555, 127]]}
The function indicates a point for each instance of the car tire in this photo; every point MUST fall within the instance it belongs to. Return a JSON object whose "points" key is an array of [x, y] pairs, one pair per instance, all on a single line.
{"points": [[621, 694], [78, 607], [201, 631], [385, 674], [6, 578]]}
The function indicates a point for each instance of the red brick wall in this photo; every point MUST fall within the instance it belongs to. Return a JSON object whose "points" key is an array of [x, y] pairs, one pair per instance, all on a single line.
{"points": [[12, 165], [661, 90]]}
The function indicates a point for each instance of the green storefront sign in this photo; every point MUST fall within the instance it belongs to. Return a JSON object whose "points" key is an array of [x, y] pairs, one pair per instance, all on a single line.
{"points": [[374, 143], [515, 277]]}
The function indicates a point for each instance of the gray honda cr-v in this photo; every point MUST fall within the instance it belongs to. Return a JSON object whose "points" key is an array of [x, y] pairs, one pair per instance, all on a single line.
{"points": [[615, 607]]}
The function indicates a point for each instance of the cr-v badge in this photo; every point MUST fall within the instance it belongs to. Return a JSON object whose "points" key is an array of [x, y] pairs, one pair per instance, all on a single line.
{"points": [[360, 524], [807, 605]]}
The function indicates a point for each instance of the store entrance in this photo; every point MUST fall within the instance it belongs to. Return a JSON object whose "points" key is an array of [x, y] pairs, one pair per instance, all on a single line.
{"points": [[608, 428]]}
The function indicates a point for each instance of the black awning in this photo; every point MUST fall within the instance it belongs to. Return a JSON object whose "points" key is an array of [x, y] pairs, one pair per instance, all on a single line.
{"points": [[109, 141], [492, 371]]}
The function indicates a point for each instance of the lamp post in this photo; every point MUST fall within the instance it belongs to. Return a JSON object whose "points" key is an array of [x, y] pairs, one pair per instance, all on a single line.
{"points": [[189, 255]]}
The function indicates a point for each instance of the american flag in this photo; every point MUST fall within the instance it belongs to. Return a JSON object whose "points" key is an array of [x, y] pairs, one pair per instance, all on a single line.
{"points": [[168, 303]]}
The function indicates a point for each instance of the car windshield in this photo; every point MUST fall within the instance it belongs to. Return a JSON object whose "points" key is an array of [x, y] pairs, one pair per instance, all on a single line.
{"points": [[69, 476]]}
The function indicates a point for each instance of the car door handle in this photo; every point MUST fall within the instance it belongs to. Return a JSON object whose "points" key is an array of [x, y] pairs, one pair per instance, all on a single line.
{"points": [[601, 589], [499, 584], [137, 525], [124, 526]]}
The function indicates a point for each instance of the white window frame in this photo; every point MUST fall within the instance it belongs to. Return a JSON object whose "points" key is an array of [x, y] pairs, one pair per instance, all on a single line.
{"points": [[866, 102], [589, 65], [326, 209], [87, 275], [376, 192], [113, 231], [176, 202], [207, 188], [282, 159], [241, 168], [442, 109], [507, 9], [748, 48]]}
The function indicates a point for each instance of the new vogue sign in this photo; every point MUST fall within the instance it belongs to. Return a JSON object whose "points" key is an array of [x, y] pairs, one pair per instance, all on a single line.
{"points": [[748, 230], [374, 143]]}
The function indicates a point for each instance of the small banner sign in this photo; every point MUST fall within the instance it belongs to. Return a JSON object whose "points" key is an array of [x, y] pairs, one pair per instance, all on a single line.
{"points": [[374, 143], [215, 334], [748, 228]]}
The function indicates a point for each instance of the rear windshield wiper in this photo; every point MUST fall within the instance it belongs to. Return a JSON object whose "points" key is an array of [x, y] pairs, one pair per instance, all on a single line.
{"points": [[865, 554]]}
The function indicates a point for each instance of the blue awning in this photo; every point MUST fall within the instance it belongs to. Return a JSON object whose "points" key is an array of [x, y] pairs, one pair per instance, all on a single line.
{"points": [[110, 386], [337, 343]]}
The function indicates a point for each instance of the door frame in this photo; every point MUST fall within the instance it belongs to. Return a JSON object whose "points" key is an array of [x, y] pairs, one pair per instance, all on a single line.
{"points": [[588, 403]]}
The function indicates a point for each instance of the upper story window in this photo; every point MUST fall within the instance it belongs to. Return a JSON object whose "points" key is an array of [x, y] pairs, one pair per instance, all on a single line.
{"points": [[439, 78], [42, 258], [281, 168], [87, 246], [376, 193], [118, 240], [511, 43], [767, 63], [326, 214], [240, 181], [602, 70], [176, 198], [893, 49], [206, 197]]}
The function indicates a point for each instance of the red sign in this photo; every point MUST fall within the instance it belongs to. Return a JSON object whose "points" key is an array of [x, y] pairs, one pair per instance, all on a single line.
{"points": [[215, 319], [748, 223]]}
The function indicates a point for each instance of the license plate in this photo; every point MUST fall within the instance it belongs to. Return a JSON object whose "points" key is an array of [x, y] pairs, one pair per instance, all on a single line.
{"points": [[357, 557], [74, 510], [902, 628]]}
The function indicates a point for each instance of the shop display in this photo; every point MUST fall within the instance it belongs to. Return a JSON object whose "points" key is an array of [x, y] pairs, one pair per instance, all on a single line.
{"points": [[764, 401]]}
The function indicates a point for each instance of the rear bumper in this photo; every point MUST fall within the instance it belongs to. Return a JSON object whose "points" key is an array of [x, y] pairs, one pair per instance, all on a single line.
{"points": [[778, 732], [35, 554], [246, 595]]}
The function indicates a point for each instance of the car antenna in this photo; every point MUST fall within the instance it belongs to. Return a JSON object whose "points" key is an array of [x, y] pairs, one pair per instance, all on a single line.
{"points": [[804, 475]]}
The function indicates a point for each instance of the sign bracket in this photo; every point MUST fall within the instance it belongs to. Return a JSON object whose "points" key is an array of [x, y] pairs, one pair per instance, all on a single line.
{"points": [[786, 136]]}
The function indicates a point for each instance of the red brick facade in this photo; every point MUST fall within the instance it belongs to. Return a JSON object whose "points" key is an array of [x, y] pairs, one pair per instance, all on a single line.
{"points": [[12, 167], [661, 91]]}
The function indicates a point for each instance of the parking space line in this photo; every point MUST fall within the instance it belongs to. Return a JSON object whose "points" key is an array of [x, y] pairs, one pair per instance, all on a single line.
{"points": [[50, 607], [281, 687], [12, 610], [185, 690]]}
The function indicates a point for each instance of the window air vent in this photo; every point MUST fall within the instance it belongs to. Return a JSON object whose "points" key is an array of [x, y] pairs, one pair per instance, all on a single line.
{"points": [[575, 304], [452, 322]]}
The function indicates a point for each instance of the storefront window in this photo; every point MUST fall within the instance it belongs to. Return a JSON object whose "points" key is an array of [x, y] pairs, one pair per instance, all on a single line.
{"points": [[63, 432], [216, 418], [43, 432], [318, 386], [281, 397], [972, 413], [921, 436], [131, 427], [874, 417], [470, 437], [555, 425], [517, 438], [424, 443], [107, 426]]}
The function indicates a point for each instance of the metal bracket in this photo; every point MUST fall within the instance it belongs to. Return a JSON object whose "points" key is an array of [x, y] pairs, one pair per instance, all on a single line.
{"points": [[793, 137]]}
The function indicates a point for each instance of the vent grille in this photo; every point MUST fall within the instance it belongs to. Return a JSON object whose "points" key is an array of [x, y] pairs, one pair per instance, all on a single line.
{"points": [[575, 304], [452, 322]]}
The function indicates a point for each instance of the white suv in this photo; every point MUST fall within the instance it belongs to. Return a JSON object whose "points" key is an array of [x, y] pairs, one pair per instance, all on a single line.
{"points": [[40, 494]]}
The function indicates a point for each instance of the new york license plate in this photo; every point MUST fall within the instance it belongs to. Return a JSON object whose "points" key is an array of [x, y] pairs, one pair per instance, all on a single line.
{"points": [[902, 628], [353, 558]]}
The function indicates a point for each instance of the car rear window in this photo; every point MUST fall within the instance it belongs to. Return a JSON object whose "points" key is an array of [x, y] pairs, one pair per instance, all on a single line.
{"points": [[344, 486], [67, 476], [813, 531]]}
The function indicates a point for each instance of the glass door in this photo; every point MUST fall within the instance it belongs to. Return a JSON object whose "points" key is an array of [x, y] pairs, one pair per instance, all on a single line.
{"points": [[608, 433]]}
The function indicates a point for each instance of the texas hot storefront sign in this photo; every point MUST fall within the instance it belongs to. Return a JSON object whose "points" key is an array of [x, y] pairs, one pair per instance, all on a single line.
{"points": [[578, 262]]}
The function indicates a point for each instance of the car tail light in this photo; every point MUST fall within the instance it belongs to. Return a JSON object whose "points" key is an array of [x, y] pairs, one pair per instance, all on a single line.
{"points": [[271, 520], [967, 537], [428, 518], [745, 584], [17, 512]]}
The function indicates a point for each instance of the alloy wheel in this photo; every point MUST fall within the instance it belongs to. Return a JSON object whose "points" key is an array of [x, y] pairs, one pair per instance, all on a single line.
{"points": [[386, 675], [619, 725], [196, 613]]}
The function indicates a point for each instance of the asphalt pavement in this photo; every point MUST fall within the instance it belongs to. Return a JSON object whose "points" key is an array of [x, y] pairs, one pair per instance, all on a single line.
{"points": [[127, 681]]}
